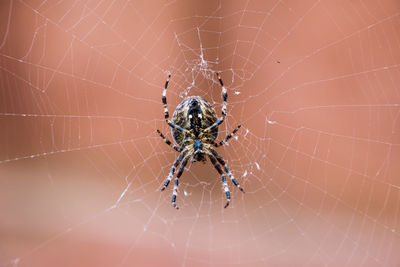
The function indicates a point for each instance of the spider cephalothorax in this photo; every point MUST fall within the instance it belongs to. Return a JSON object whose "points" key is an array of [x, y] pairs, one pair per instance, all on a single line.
{"points": [[195, 127]]}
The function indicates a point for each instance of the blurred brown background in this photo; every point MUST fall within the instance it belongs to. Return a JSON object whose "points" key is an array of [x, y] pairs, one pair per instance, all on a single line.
{"points": [[315, 85]]}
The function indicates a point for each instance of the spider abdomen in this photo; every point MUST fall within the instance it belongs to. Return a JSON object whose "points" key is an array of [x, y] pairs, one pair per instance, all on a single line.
{"points": [[194, 113]]}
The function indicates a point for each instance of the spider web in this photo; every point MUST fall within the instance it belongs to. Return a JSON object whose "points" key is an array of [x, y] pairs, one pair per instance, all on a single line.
{"points": [[314, 84]]}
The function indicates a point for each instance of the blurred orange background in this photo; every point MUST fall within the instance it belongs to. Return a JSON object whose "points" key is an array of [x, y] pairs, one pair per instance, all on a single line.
{"points": [[314, 84]]}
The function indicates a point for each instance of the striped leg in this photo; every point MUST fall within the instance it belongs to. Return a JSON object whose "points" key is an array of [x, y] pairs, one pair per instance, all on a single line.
{"points": [[234, 181], [166, 113], [224, 98], [216, 124], [174, 193], [229, 136], [173, 125], [164, 99], [171, 173], [224, 95], [168, 142], [222, 162], [180, 171], [223, 177], [226, 189]]}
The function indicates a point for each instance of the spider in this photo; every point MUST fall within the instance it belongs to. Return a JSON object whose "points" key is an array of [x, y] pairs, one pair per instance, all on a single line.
{"points": [[195, 128]]}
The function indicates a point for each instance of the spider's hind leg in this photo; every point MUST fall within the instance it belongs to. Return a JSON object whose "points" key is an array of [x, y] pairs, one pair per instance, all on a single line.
{"points": [[166, 113], [224, 99], [224, 95], [164, 98]]}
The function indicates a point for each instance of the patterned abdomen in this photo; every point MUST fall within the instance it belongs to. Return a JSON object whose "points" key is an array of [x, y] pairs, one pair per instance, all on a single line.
{"points": [[180, 117]]}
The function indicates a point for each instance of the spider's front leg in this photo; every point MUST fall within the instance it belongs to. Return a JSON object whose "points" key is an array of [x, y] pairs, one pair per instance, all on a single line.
{"points": [[180, 171], [222, 162], [172, 172], [223, 178]]}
